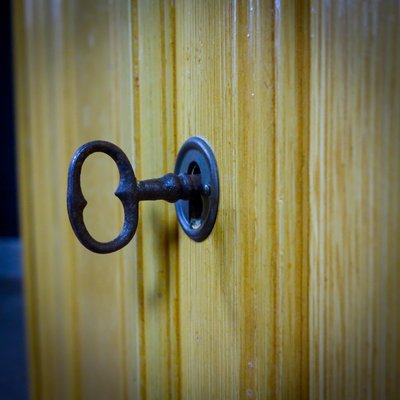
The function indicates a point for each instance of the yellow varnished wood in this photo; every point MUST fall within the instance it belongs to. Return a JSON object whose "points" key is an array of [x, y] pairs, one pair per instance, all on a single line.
{"points": [[295, 293], [354, 200], [155, 156], [77, 88], [243, 292]]}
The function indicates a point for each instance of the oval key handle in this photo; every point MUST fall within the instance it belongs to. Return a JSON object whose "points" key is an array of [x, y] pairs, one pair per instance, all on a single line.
{"points": [[188, 188]]}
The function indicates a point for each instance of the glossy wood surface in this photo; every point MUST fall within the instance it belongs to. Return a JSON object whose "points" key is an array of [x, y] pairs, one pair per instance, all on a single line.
{"points": [[295, 293], [354, 200]]}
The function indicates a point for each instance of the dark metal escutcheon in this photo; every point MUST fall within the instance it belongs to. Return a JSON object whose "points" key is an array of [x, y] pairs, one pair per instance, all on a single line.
{"points": [[194, 186], [197, 215]]}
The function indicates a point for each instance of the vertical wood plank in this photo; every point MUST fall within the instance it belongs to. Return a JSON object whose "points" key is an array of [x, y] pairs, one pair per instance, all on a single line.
{"points": [[41, 207], [209, 288], [292, 195], [154, 89], [71, 61], [244, 291], [97, 102], [23, 163], [354, 195]]}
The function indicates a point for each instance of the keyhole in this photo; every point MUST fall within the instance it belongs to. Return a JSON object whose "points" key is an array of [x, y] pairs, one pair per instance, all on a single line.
{"points": [[196, 202]]}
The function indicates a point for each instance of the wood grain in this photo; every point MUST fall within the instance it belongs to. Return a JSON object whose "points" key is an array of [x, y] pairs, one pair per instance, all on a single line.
{"points": [[76, 74], [156, 152], [242, 290], [354, 200], [295, 293]]}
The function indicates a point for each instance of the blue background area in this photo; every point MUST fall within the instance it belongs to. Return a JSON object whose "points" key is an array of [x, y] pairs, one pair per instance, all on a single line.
{"points": [[13, 370]]}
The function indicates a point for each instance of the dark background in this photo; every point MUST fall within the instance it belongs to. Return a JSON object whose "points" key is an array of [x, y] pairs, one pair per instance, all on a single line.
{"points": [[8, 187], [13, 371]]}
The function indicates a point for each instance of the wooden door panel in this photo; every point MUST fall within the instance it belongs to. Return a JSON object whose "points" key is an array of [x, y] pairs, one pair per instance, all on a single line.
{"points": [[156, 149], [76, 69], [354, 182], [294, 295], [242, 294]]}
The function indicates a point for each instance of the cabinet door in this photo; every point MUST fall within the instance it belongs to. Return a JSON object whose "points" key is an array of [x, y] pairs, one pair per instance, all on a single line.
{"points": [[295, 293]]}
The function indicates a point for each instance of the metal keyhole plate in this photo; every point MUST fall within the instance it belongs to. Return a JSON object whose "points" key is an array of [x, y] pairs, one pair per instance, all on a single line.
{"points": [[197, 216]]}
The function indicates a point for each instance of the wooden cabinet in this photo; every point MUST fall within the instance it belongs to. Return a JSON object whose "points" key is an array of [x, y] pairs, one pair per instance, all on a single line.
{"points": [[296, 292]]}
